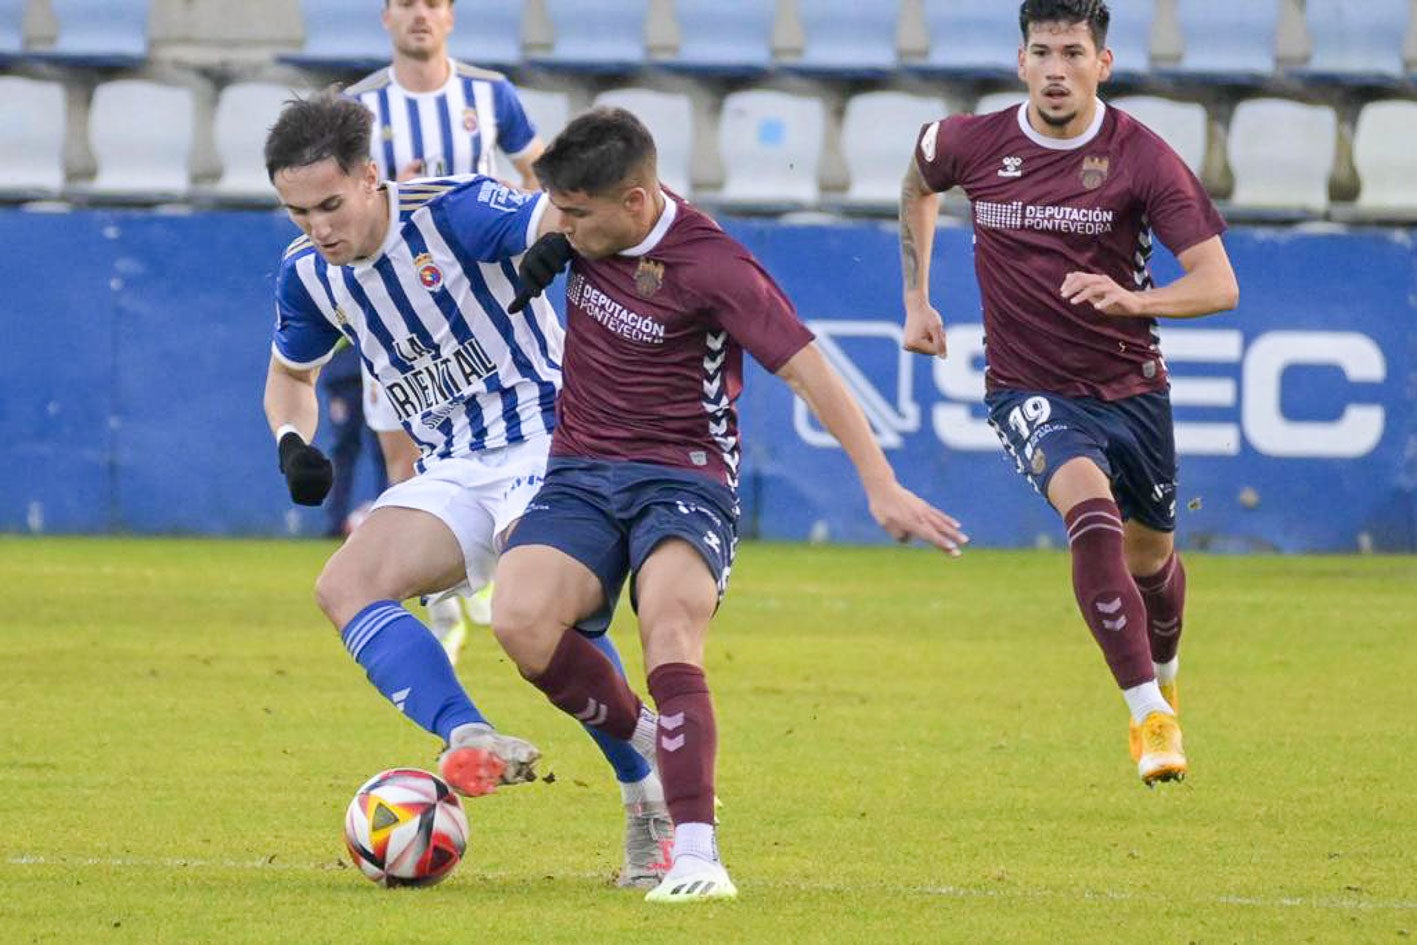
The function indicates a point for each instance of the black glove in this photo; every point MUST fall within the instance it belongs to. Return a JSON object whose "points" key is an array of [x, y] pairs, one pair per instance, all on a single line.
{"points": [[307, 472], [539, 266]]}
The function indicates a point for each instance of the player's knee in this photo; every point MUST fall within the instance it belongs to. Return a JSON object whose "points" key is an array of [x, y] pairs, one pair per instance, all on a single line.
{"points": [[339, 592], [518, 622]]}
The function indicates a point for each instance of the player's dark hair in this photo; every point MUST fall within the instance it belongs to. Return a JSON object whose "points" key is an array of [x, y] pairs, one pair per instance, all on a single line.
{"points": [[1092, 12], [310, 130], [597, 153]]}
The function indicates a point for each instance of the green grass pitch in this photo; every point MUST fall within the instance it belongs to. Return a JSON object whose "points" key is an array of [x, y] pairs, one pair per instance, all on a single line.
{"points": [[912, 750]]}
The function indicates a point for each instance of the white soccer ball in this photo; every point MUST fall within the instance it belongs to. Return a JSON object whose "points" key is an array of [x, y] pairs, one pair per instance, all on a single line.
{"points": [[405, 827]]}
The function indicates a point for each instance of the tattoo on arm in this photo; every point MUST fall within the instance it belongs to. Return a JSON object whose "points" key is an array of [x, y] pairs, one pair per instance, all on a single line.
{"points": [[910, 189]]}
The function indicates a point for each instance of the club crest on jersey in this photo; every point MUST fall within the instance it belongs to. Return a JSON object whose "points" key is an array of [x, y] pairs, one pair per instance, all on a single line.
{"points": [[649, 278], [469, 120], [1094, 172], [1013, 167], [340, 317], [387, 132], [428, 273]]}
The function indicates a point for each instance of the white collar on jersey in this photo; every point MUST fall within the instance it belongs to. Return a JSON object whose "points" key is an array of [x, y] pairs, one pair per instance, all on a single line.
{"points": [[661, 226], [1062, 144], [391, 236], [452, 77]]}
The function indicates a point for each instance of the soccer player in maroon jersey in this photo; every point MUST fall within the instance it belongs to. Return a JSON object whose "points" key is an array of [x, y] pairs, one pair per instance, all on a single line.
{"points": [[660, 306], [1066, 195]]}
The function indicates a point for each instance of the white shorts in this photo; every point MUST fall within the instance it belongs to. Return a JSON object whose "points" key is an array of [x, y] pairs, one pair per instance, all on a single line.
{"points": [[379, 414], [477, 497]]}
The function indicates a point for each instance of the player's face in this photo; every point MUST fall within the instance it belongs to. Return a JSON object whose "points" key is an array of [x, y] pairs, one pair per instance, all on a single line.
{"points": [[601, 226], [419, 28], [1062, 67], [342, 213]]}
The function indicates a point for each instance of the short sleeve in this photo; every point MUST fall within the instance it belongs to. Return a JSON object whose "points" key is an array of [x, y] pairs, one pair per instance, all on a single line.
{"points": [[490, 220], [1181, 212], [933, 157], [304, 337], [756, 313], [514, 128]]}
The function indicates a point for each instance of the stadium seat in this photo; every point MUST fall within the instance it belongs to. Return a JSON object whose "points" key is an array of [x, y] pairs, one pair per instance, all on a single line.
{"points": [[548, 111], [32, 149], [244, 113], [670, 118], [971, 38], [12, 21], [847, 37], [141, 134], [1382, 151], [771, 144], [342, 34], [99, 33], [724, 37], [1180, 124], [998, 101], [1359, 43], [1281, 153], [1226, 41], [877, 136], [488, 33], [1129, 38], [597, 37]]}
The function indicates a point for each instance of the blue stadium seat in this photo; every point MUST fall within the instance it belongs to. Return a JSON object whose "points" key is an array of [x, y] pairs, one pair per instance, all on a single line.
{"points": [[724, 37], [342, 34], [597, 37], [488, 33], [1227, 41], [1129, 38], [99, 33], [848, 38], [971, 38], [12, 37], [1359, 43]]}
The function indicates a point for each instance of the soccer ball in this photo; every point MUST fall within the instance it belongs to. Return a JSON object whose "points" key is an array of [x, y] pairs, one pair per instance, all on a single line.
{"points": [[405, 827]]}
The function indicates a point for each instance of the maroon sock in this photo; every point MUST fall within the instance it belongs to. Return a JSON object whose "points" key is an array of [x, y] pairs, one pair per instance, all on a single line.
{"points": [[1165, 595], [581, 682], [1106, 593], [688, 741]]}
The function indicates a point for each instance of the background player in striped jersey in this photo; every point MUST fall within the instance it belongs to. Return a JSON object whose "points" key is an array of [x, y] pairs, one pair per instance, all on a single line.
{"points": [[418, 276], [660, 306], [434, 117], [1067, 194]]}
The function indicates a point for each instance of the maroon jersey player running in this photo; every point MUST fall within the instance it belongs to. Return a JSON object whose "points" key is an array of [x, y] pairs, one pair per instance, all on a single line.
{"points": [[1066, 194], [661, 304]]}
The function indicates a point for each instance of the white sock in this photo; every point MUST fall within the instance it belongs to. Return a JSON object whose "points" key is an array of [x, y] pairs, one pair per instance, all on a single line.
{"points": [[444, 615], [695, 840], [646, 731], [1166, 672], [1145, 699], [469, 728], [647, 790]]}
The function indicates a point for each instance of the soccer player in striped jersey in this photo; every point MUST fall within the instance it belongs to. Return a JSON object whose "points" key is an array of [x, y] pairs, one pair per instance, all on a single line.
{"points": [[1067, 193], [418, 277], [661, 305], [435, 117]]}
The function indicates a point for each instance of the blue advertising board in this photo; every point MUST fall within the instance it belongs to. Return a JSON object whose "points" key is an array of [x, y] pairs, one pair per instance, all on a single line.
{"points": [[136, 347]]}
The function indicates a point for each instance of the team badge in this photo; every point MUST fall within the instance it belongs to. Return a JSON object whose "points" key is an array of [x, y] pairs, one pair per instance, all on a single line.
{"points": [[649, 278], [428, 273], [469, 120], [388, 132], [1094, 172], [340, 317], [1039, 462]]}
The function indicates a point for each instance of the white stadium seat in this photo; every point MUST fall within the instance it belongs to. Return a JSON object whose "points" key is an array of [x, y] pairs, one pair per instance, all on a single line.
{"points": [[1282, 153], [1382, 150], [1180, 124], [141, 134], [549, 111], [670, 119], [998, 101], [244, 114], [877, 137], [32, 149], [771, 145]]}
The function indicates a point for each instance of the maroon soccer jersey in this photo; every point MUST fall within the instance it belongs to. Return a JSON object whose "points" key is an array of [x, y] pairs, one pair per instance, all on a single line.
{"points": [[1044, 207], [654, 347]]}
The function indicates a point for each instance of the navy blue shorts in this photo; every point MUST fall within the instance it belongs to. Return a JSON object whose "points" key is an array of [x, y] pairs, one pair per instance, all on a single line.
{"points": [[1132, 440], [609, 515]]}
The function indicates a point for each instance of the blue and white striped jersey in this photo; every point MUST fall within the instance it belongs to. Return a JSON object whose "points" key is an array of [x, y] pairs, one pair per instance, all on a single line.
{"points": [[428, 314], [455, 130]]}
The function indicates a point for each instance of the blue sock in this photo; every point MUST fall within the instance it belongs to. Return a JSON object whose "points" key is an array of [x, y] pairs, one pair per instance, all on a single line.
{"points": [[630, 766], [405, 662]]}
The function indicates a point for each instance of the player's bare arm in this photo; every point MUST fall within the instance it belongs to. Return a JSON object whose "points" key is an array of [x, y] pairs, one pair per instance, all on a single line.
{"points": [[919, 206], [902, 513], [1208, 287], [290, 399]]}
